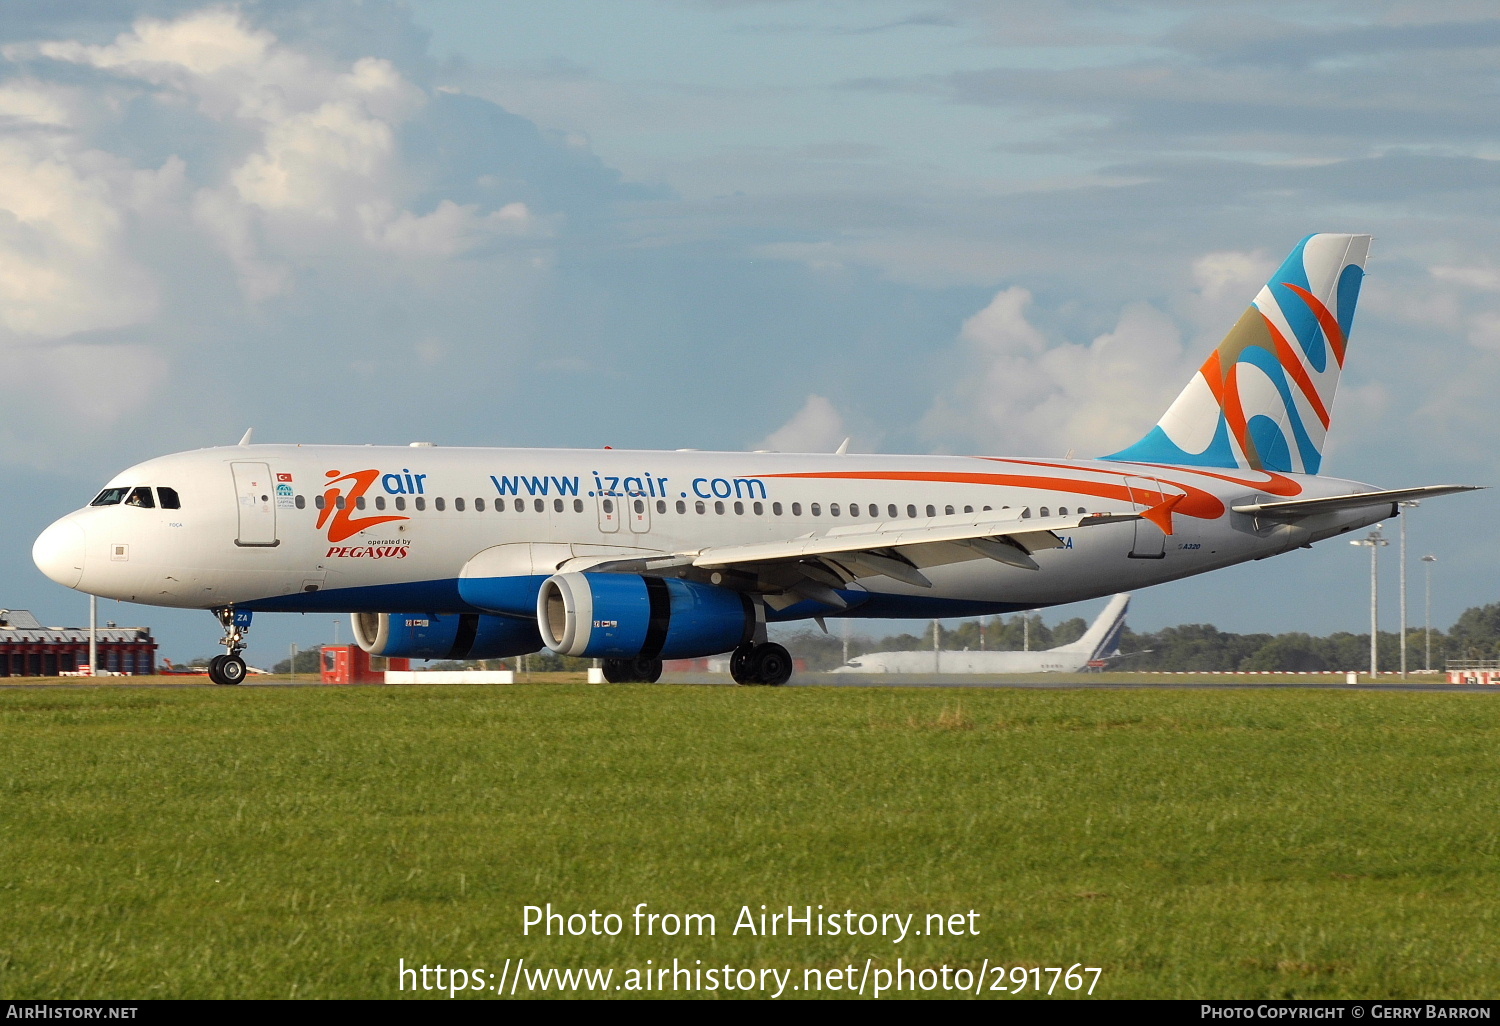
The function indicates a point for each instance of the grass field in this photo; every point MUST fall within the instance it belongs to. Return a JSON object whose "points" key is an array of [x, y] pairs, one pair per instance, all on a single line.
{"points": [[218, 842]]}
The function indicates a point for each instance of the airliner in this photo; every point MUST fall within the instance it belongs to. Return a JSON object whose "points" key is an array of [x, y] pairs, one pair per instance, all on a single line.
{"points": [[633, 557], [1099, 644]]}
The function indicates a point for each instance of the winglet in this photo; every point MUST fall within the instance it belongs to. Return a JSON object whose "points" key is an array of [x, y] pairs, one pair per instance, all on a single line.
{"points": [[843, 448], [1161, 513], [246, 439]]}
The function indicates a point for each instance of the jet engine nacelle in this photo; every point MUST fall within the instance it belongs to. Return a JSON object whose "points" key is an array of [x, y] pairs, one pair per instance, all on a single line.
{"points": [[622, 616], [444, 635]]}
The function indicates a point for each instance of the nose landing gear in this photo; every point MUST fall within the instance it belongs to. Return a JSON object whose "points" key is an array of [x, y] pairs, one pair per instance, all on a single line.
{"points": [[230, 667]]}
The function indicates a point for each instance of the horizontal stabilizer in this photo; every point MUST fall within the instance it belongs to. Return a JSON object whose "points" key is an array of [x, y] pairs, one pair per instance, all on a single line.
{"points": [[1360, 500]]}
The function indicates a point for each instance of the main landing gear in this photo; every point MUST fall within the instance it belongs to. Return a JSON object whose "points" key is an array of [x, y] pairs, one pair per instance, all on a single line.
{"points": [[230, 667], [639, 670], [766, 663]]}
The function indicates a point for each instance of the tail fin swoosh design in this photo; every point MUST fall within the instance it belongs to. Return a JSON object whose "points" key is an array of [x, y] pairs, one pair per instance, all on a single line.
{"points": [[1263, 399]]}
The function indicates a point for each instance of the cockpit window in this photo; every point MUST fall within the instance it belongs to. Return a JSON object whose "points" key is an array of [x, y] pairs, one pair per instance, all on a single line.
{"points": [[140, 497], [169, 498], [110, 497]]}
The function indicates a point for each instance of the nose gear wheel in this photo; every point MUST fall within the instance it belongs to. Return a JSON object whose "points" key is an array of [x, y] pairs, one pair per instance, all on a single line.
{"points": [[229, 668]]}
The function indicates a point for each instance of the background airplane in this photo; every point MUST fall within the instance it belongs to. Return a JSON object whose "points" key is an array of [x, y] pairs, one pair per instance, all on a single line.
{"points": [[1100, 643], [634, 557]]}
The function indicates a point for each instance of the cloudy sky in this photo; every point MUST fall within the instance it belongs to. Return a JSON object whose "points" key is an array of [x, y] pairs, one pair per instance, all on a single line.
{"points": [[934, 225]]}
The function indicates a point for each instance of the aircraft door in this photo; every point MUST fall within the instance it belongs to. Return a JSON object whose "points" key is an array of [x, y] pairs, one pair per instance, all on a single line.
{"points": [[254, 489], [638, 509], [609, 513], [1150, 541]]}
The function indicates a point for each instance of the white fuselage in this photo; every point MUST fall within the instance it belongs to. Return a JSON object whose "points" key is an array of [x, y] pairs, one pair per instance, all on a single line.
{"points": [[250, 533], [967, 662]]}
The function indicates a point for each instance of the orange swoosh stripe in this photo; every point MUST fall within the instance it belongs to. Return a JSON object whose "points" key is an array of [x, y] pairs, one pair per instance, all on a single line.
{"points": [[1293, 366], [1196, 502], [1326, 320]]}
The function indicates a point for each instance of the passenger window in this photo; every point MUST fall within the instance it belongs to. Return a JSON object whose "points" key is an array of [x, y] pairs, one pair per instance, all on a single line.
{"points": [[911, 511], [739, 509], [380, 502], [339, 503], [539, 505], [1062, 511], [557, 505], [776, 508], [1025, 512], [168, 497], [421, 503], [400, 502], [640, 505], [661, 505], [609, 505], [948, 510], [110, 497], [359, 503], [438, 504], [968, 509], [301, 502], [833, 509], [700, 507], [719, 508], [1045, 512], [577, 505], [520, 505], [760, 509], [854, 509], [796, 509], [931, 511], [815, 509], [458, 505], [478, 505], [141, 497], [681, 506], [892, 511]]}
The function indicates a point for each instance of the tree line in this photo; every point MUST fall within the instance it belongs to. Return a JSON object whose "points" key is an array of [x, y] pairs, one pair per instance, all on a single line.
{"points": [[1201, 647]]}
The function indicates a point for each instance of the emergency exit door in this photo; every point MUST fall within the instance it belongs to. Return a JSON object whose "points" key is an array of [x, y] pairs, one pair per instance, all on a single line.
{"points": [[638, 511], [1150, 540], [255, 494]]}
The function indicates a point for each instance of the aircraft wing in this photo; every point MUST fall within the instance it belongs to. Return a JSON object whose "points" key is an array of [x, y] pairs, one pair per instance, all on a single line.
{"points": [[812, 565], [1359, 500]]}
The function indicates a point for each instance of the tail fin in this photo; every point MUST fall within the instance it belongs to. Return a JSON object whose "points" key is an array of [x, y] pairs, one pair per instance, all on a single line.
{"points": [[1262, 401], [1103, 635]]}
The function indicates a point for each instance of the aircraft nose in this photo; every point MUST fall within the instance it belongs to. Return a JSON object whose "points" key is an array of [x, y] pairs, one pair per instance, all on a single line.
{"points": [[58, 553]]}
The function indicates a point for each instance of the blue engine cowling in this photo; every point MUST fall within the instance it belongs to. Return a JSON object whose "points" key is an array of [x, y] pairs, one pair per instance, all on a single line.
{"points": [[621, 616], [444, 635]]}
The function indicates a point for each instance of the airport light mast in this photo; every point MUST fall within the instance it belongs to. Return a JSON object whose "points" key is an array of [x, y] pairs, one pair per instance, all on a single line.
{"points": [[1427, 562], [1374, 540], [1413, 504]]}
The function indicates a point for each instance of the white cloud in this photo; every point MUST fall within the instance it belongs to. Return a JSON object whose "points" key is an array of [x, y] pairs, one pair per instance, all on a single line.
{"points": [[1483, 279], [448, 231], [817, 427], [1015, 390], [65, 264], [324, 147], [205, 42]]}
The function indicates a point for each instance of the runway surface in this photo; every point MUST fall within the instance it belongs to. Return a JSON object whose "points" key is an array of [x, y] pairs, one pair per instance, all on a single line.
{"points": [[1039, 681]]}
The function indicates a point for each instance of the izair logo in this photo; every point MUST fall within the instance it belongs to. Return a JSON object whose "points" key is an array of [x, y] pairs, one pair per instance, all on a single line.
{"points": [[341, 497]]}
